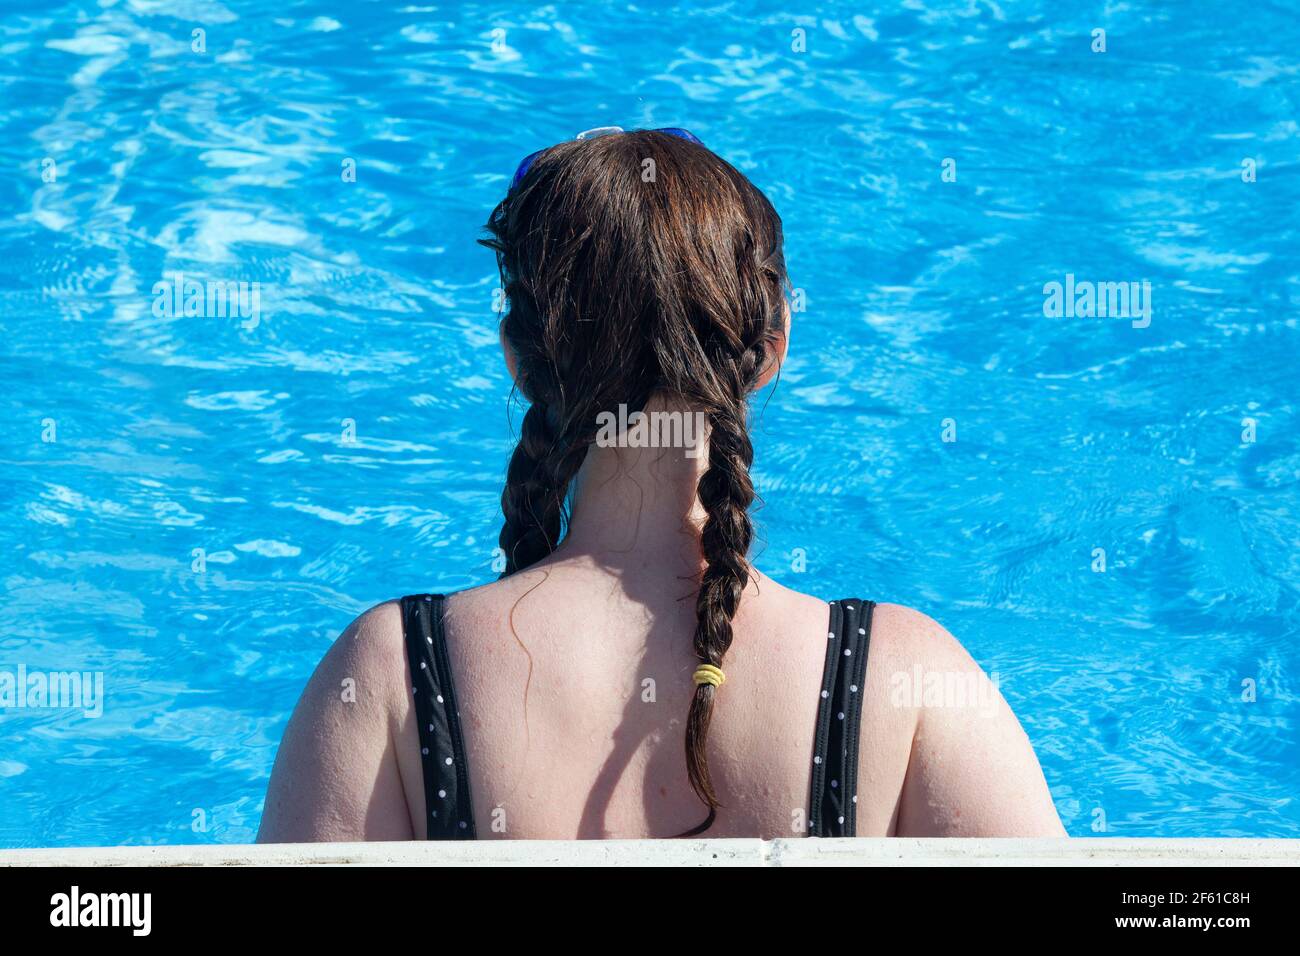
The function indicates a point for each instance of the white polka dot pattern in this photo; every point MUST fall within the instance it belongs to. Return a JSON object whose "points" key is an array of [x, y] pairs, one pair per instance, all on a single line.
{"points": [[448, 808], [839, 714]]}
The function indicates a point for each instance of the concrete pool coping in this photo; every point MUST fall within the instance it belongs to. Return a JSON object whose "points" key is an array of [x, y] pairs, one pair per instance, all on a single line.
{"points": [[795, 852]]}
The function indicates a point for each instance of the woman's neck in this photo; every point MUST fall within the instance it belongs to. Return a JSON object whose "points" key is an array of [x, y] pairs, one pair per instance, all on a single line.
{"points": [[637, 507]]}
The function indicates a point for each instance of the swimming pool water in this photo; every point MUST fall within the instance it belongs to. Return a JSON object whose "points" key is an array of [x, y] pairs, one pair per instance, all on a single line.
{"points": [[1160, 693]]}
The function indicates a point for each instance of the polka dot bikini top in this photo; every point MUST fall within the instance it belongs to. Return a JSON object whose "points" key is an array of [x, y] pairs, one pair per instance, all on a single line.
{"points": [[449, 809]]}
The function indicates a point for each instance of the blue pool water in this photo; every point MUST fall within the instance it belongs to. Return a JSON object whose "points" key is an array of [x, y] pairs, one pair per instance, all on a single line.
{"points": [[1161, 694]]}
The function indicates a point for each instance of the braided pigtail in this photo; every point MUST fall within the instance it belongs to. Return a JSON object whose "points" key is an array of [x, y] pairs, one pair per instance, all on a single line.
{"points": [[542, 468], [531, 503], [725, 493]]}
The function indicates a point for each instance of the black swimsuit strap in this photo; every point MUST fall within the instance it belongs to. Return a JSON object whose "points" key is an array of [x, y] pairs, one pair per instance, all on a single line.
{"points": [[449, 812], [834, 799]]}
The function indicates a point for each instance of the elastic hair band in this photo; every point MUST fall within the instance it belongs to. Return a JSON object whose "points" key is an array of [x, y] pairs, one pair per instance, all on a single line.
{"points": [[708, 674]]}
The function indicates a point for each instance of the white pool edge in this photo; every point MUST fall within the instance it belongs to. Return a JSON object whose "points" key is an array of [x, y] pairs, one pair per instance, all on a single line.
{"points": [[795, 852]]}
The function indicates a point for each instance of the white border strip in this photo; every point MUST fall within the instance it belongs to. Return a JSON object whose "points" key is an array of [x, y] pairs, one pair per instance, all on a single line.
{"points": [[797, 852]]}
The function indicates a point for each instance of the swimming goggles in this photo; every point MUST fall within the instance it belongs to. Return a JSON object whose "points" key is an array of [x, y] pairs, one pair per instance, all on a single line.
{"points": [[527, 162]]}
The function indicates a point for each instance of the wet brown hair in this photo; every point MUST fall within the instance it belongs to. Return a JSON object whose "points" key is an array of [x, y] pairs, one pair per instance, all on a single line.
{"points": [[639, 264]]}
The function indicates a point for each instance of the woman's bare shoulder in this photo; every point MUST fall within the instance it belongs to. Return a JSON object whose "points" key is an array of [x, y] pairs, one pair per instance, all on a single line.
{"points": [[906, 636], [336, 773], [970, 768]]}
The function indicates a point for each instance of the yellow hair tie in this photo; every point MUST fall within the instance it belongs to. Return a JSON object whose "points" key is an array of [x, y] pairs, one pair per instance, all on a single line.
{"points": [[708, 674]]}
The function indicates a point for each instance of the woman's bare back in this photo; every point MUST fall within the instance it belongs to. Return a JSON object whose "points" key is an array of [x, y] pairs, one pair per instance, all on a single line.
{"points": [[572, 692]]}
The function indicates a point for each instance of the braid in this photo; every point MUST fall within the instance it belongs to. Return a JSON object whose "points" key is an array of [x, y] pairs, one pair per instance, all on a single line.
{"points": [[532, 525], [537, 483], [725, 493]]}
